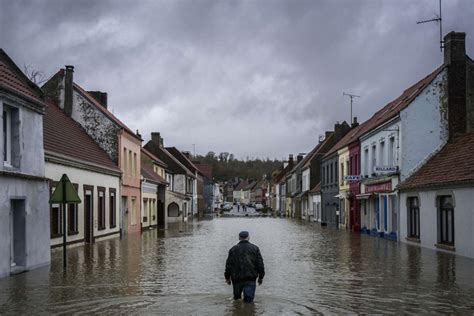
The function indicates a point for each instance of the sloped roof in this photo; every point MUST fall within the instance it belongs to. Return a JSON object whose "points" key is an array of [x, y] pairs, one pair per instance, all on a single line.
{"points": [[148, 173], [452, 165], [105, 111], [14, 81], [242, 184], [250, 186], [394, 107], [352, 135], [205, 169], [316, 189], [173, 164], [62, 135], [317, 150], [155, 159], [182, 158]]}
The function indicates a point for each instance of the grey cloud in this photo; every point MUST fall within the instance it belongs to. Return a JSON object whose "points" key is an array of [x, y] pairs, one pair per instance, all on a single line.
{"points": [[256, 78]]}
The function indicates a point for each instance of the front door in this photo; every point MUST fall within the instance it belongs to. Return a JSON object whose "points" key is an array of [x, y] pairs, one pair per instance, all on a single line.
{"points": [[88, 217], [18, 233], [161, 214]]}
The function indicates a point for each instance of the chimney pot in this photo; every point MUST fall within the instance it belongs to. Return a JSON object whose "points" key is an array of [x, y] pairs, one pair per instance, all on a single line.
{"points": [[68, 89], [100, 97]]}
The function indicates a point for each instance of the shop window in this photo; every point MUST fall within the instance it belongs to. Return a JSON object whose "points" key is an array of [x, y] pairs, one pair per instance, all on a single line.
{"points": [[112, 209], [446, 220], [101, 208]]}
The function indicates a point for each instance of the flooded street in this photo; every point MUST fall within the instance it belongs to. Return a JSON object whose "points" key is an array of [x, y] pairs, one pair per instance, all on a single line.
{"points": [[309, 269]]}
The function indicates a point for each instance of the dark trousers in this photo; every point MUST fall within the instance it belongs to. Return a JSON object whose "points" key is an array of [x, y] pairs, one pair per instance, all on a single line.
{"points": [[247, 287]]}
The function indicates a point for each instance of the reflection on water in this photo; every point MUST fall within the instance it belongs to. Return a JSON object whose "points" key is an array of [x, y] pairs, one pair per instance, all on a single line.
{"points": [[310, 270]]}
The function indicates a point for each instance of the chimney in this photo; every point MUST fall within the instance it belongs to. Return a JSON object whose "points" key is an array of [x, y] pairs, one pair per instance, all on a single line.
{"points": [[340, 129], [68, 81], [299, 157], [187, 154], [455, 59], [100, 97], [138, 134], [157, 139], [355, 123]]}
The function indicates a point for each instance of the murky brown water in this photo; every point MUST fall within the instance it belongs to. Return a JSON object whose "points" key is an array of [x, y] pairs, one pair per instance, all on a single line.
{"points": [[310, 270]]}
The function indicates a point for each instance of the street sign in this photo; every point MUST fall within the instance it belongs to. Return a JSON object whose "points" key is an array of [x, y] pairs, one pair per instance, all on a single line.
{"points": [[63, 194]]}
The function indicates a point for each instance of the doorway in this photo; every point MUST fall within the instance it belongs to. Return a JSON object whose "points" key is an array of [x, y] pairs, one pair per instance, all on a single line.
{"points": [[88, 216], [124, 215], [18, 234], [161, 214]]}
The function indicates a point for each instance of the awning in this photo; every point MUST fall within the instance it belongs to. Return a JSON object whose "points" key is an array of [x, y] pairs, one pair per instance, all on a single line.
{"points": [[364, 196], [341, 196]]}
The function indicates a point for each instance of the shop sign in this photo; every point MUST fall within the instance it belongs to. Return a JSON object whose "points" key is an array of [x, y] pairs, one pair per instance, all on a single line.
{"points": [[385, 169], [352, 179], [379, 187]]}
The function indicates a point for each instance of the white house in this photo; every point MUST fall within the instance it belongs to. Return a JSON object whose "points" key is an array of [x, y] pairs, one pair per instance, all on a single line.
{"points": [[401, 136], [24, 194], [70, 150]]}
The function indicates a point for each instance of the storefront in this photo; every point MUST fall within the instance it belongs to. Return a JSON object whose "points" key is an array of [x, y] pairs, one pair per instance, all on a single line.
{"points": [[379, 208]]}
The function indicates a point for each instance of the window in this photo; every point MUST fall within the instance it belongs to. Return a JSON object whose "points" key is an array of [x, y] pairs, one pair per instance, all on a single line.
{"points": [[335, 172], [374, 159], [145, 210], [72, 219], [55, 216], [133, 214], [446, 220], [413, 217], [366, 161], [356, 165], [124, 161], [135, 164], [6, 118], [112, 208], [342, 172], [381, 154], [391, 151], [347, 168], [129, 162], [101, 208], [331, 179]]}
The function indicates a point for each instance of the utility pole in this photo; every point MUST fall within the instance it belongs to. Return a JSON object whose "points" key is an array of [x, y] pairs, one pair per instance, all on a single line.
{"points": [[438, 19], [351, 96]]}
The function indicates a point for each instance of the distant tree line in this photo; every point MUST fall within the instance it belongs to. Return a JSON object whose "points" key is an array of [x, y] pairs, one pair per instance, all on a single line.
{"points": [[225, 166]]}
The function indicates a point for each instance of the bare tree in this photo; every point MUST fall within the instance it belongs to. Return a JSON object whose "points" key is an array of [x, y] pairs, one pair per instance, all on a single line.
{"points": [[36, 76]]}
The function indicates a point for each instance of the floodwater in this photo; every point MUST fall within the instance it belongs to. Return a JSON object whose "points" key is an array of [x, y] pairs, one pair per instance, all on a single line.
{"points": [[310, 270]]}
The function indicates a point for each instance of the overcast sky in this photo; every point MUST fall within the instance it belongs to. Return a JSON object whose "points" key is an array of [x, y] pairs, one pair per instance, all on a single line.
{"points": [[255, 78]]}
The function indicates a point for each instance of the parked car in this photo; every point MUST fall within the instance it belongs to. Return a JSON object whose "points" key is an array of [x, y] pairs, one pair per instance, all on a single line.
{"points": [[258, 206], [227, 206]]}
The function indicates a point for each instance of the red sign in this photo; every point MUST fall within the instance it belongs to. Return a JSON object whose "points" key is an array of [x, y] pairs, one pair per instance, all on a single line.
{"points": [[379, 187]]}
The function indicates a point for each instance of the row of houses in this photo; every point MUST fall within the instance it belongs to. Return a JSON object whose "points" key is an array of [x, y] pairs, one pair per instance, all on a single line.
{"points": [[125, 185], [405, 174]]}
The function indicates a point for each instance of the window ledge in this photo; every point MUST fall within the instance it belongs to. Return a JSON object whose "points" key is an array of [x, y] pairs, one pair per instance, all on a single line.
{"points": [[73, 233], [445, 247], [101, 228], [413, 239]]}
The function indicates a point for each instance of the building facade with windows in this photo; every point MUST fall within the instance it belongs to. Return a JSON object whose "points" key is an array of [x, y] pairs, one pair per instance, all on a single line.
{"points": [[90, 110], [69, 150], [153, 191], [436, 205], [179, 194], [24, 194]]}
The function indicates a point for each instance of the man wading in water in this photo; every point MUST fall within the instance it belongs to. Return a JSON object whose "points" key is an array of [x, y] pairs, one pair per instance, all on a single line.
{"points": [[243, 267]]}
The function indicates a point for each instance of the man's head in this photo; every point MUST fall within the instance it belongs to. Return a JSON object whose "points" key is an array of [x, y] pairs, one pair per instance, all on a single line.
{"points": [[244, 235]]}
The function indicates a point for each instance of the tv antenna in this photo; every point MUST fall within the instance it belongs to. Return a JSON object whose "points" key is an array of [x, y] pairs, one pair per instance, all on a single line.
{"points": [[351, 96], [438, 19]]}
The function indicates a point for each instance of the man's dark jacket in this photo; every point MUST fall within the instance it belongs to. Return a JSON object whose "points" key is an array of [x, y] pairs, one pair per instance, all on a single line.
{"points": [[244, 263]]}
